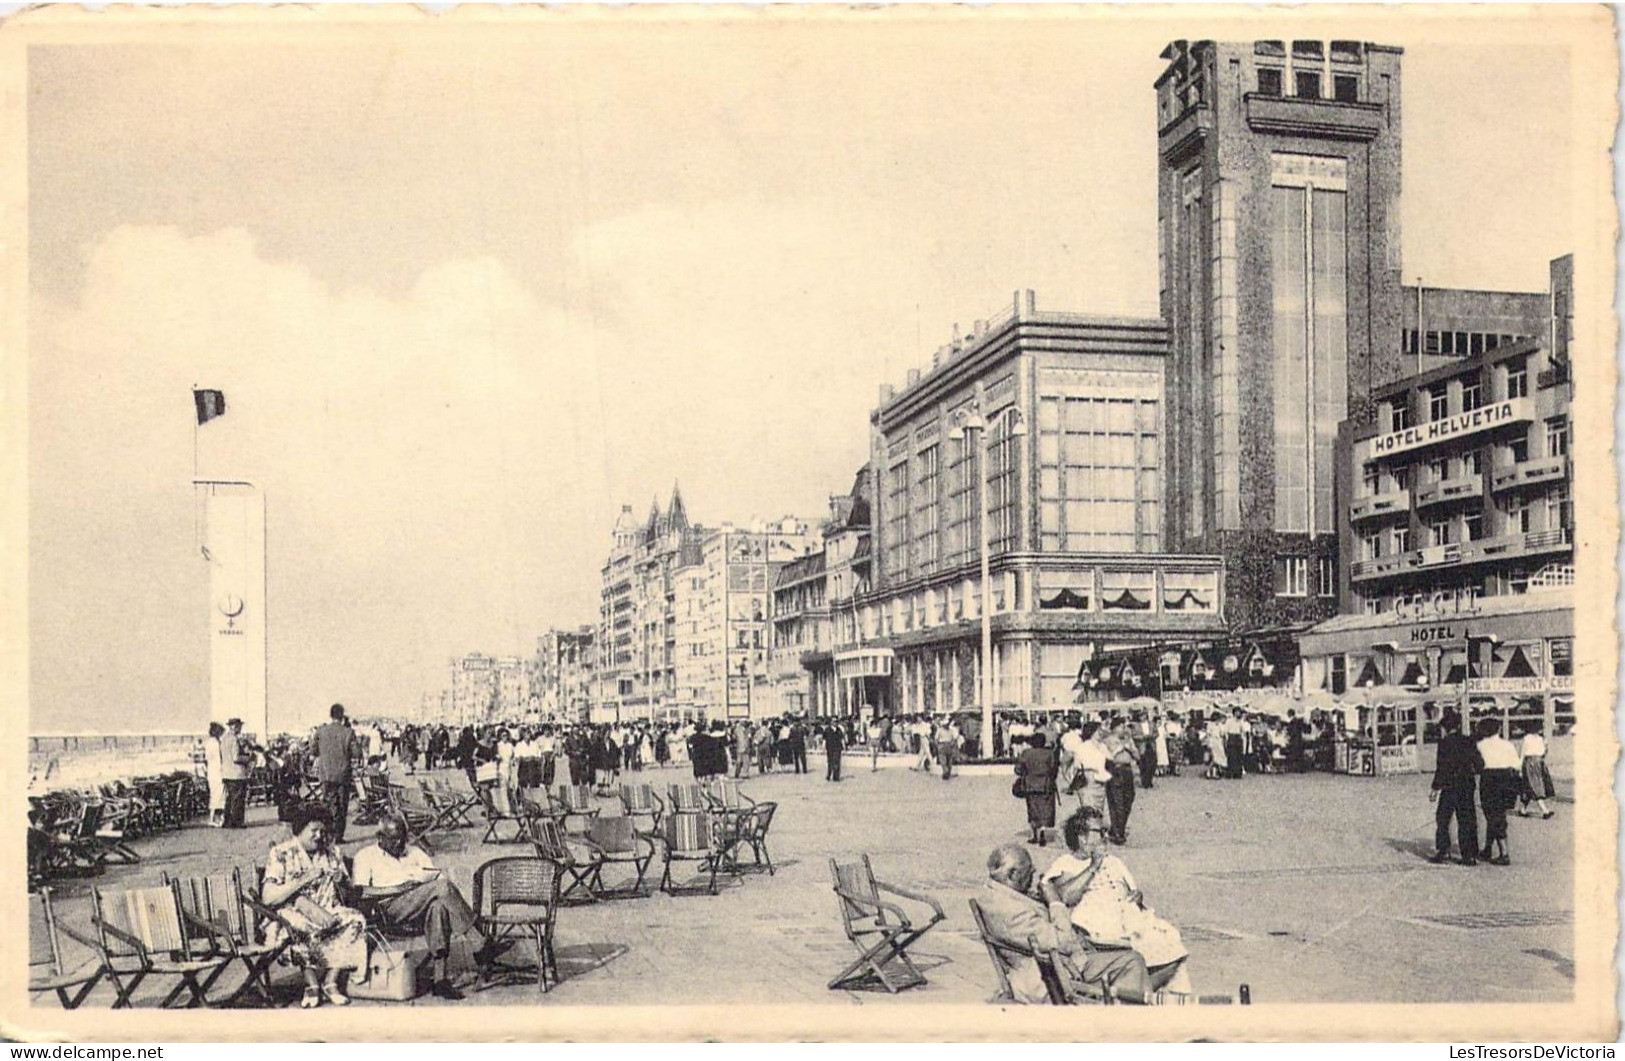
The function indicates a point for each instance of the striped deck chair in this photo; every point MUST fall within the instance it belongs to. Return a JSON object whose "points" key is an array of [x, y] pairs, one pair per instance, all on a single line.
{"points": [[579, 859], [49, 969], [458, 803], [723, 794], [574, 801], [498, 809], [142, 933], [640, 801], [620, 843], [879, 928], [686, 798], [218, 902], [691, 837]]}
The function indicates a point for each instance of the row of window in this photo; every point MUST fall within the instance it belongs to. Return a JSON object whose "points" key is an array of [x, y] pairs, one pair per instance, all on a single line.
{"points": [[1514, 580], [1455, 343], [1511, 381], [1516, 517], [1375, 479]]}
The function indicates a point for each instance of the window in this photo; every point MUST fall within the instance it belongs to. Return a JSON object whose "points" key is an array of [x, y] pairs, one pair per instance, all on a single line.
{"points": [[1557, 437], [1438, 469], [1326, 580], [1438, 401], [1340, 675], [1472, 463], [1306, 84], [1291, 576], [1402, 479], [1439, 532], [926, 510], [1269, 81], [1097, 473], [1517, 516], [1371, 605], [1518, 378], [899, 547], [1371, 546], [1315, 50], [1275, 48], [1370, 480], [1518, 450], [1409, 344], [1472, 394], [1399, 414], [1400, 538], [1558, 512], [1345, 88], [1472, 526]]}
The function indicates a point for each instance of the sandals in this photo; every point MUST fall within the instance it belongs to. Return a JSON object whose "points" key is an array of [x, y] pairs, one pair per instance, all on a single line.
{"points": [[335, 996], [312, 999]]}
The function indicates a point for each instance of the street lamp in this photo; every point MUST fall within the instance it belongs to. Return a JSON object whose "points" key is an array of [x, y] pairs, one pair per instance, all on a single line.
{"points": [[969, 422]]}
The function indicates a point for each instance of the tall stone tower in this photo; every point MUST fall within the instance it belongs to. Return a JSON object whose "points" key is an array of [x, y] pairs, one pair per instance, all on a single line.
{"points": [[1278, 216]]}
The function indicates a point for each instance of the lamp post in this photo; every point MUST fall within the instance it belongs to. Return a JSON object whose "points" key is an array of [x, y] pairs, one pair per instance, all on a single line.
{"points": [[968, 423]]}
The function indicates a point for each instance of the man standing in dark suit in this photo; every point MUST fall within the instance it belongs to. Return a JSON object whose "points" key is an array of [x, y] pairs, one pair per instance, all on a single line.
{"points": [[1459, 763], [334, 744], [798, 746], [834, 744]]}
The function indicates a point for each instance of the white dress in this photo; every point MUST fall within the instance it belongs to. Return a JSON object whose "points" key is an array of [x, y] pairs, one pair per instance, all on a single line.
{"points": [[217, 784], [1104, 907]]}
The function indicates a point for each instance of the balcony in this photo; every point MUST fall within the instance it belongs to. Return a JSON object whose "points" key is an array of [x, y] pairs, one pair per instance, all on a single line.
{"points": [[1463, 489], [1461, 554], [1318, 118], [1377, 505], [1548, 378], [1505, 477]]}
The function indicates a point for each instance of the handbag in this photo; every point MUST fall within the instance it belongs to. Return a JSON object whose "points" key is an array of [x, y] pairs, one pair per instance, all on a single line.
{"points": [[1018, 788], [320, 918]]}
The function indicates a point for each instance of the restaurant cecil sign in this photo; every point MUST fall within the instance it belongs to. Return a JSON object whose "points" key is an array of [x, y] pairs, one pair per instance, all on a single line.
{"points": [[1496, 414]]}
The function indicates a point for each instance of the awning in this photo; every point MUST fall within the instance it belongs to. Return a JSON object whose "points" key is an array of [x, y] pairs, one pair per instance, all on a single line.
{"points": [[864, 663]]}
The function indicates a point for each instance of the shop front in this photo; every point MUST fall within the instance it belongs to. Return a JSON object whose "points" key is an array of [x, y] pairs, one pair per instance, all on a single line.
{"points": [[1509, 657]]}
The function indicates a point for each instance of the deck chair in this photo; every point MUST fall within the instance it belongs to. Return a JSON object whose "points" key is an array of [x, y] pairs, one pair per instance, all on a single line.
{"points": [[498, 810], [217, 901], [686, 798], [1003, 955], [751, 832], [109, 837], [691, 837], [723, 794], [579, 859], [640, 801], [457, 803], [422, 819], [48, 968], [573, 801], [878, 928], [516, 897], [620, 843], [142, 933]]}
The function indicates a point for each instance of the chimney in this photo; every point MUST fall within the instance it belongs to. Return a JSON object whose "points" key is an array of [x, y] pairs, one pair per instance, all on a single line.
{"points": [[936, 358], [913, 376], [1032, 301], [981, 328], [887, 393]]}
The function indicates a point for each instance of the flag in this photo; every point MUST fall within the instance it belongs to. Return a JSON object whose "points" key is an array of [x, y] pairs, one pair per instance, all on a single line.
{"points": [[210, 404]]}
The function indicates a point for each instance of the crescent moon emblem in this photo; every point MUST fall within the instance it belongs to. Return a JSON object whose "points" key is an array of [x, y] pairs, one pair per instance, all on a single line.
{"points": [[231, 605]]}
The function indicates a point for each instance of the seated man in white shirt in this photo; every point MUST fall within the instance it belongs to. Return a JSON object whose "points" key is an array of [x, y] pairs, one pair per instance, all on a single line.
{"points": [[401, 888]]}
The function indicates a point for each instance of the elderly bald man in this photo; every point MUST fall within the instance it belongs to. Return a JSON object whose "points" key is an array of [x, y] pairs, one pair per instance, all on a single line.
{"points": [[402, 888], [1016, 918]]}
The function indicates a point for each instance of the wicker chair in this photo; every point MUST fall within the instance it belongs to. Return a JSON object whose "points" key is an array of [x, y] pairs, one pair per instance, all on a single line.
{"points": [[691, 837], [518, 897], [640, 801]]}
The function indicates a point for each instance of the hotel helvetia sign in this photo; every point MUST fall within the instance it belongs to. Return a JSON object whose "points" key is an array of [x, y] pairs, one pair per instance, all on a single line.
{"points": [[1489, 417]]}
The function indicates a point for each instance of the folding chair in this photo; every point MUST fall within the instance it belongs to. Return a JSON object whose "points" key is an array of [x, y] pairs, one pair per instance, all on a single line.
{"points": [[142, 933], [217, 901], [497, 812], [108, 839], [723, 794], [691, 837], [751, 832], [686, 799], [574, 801], [579, 860], [422, 819], [640, 801], [880, 930], [1001, 954], [457, 804], [515, 897], [620, 843], [48, 969]]}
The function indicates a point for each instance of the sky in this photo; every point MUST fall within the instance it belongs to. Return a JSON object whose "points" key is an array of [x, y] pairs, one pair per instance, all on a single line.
{"points": [[465, 302]]}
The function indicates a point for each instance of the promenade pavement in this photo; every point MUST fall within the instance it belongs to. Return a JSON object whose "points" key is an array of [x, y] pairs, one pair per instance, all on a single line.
{"points": [[1309, 888]]}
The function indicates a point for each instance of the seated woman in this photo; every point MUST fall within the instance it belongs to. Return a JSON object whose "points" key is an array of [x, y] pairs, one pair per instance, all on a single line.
{"points": [[303, 881], [1108, 908]]}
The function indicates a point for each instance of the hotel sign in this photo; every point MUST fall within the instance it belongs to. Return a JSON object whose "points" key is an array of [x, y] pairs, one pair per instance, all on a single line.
{"points": [[1496, 414]]}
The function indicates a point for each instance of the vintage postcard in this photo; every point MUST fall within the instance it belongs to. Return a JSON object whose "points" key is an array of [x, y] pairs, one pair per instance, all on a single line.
{"points": [[810, 523]]}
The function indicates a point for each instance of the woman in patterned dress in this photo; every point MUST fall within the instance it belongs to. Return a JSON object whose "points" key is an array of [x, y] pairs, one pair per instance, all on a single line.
{"points": [[303, 876]]}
